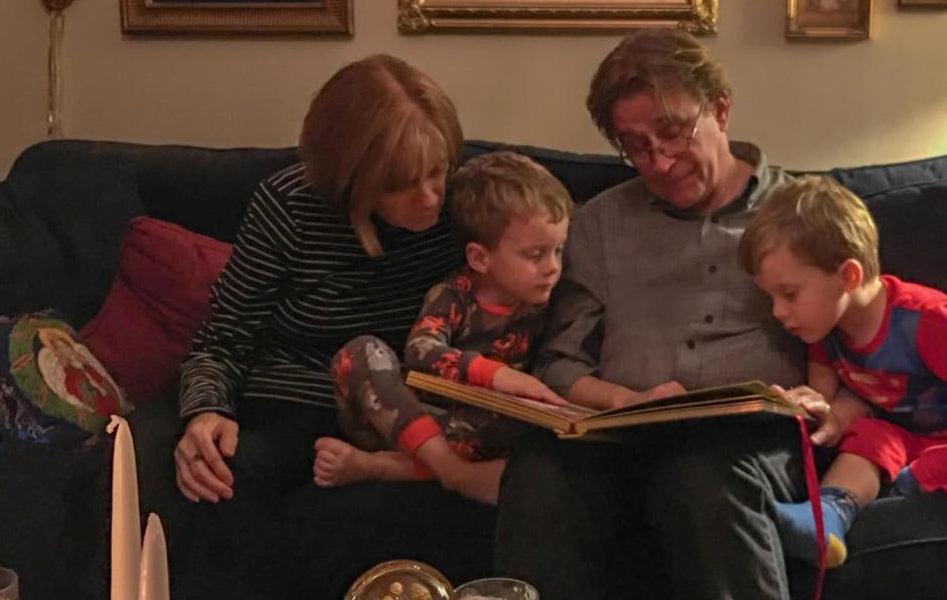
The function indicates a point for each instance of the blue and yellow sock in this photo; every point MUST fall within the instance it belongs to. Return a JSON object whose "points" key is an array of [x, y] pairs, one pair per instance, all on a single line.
{"points": [[907, 483], [797, 526]]}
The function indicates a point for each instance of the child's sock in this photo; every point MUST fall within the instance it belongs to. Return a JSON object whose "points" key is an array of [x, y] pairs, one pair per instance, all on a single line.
{"points": [[797, 525], [907, 482]]}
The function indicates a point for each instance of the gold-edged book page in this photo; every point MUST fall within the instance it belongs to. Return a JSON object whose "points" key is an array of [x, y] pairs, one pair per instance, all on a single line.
{"points": [[718, 395], [576, 421], [699, 410], [561, 419]]}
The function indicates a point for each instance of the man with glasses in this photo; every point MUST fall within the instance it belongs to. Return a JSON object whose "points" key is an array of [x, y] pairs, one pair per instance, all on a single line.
{"points": [[653, 302]]}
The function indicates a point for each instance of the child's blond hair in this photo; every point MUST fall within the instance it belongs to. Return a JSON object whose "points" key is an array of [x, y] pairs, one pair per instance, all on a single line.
{"points": [[822, 223], [489, 190]]}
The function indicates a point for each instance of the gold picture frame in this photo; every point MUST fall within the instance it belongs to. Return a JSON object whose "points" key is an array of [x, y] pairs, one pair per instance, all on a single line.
{"points": [[828, 19], [923, 3], [229, 17], [431, 16]]}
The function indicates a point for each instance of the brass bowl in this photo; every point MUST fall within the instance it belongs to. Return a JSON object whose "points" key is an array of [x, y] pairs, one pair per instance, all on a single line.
{"points": [[401, 580]]}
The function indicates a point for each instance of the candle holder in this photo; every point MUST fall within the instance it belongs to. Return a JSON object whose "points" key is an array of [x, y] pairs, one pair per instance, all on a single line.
{"points": [[413, 580], [401, 580]]}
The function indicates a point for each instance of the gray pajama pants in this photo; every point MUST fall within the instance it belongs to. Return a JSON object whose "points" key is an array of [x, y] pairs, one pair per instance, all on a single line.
{"points": [[378, 411]]}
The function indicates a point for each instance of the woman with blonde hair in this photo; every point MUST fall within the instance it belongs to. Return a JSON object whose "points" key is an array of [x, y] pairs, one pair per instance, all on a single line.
{"points": [[344, 243]]}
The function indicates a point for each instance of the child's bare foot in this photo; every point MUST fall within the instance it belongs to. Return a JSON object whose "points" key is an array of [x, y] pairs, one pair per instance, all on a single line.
{"points": [[340, 463]]}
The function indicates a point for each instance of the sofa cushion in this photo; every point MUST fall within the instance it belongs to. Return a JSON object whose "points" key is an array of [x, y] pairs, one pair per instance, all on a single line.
{"points": [[583, 175], [896, 545], [156, 303], [65, 204], [61, 219], [911, 225], [53, 519], [52, 389], [877, 180]]}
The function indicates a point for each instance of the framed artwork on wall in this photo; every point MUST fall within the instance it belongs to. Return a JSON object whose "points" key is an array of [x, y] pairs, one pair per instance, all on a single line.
{"points": [[431, 16], [237, 17], [828, 19]]}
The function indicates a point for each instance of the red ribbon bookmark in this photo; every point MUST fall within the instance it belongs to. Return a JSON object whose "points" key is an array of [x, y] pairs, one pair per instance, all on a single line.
{"points": [[812, 487]]}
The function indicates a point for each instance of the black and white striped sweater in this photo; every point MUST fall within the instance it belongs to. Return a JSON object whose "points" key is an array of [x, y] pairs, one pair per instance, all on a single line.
{"points": [[297, 287]]}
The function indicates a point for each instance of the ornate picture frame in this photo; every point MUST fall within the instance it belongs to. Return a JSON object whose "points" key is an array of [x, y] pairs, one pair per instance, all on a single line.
{"points": [[432, 16], [240, 17], [828, 19]]}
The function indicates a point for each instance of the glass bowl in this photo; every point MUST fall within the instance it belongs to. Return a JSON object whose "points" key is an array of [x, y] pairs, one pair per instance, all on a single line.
{"points": [[496, 588]]}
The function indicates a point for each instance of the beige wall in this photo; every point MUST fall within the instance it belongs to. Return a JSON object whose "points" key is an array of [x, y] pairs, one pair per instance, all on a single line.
{"points": [[810, 105]]}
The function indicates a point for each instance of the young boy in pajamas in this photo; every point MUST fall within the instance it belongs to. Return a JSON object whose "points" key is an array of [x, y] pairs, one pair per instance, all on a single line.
{"points": [[477, 327], [813, 247]]}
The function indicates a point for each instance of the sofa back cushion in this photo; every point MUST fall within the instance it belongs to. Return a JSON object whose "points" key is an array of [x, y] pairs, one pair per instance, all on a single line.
{"points": [[908, 201], [61, 220], [912, 223], [65, 204]]}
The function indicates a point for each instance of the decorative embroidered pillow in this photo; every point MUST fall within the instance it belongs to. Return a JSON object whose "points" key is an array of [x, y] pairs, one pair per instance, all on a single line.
{"points": [[52, 389]]}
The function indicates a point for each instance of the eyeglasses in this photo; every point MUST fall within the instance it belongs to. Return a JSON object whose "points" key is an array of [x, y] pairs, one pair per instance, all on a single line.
{"points": [[671, 148]]}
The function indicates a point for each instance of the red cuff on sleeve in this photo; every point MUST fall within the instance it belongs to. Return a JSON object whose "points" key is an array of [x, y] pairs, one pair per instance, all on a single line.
{"points": [[417, 432], [482, 370]]}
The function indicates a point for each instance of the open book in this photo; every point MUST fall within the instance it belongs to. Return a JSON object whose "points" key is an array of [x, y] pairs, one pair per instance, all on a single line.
{"points": [[573, 421]]}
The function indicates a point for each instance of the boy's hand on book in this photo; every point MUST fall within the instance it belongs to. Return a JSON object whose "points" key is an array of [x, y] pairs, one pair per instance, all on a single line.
{"points": [[827, 429], [845, 408], [517, 383]]}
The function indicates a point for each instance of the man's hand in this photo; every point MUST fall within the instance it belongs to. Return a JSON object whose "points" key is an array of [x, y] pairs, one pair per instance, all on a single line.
{"points": [[202, 473], [628, 397], [665, 390], [517, 383]]}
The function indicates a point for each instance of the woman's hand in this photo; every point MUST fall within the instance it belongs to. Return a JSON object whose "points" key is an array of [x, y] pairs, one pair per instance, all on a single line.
{"points": [[517, 383], [202, 473]]}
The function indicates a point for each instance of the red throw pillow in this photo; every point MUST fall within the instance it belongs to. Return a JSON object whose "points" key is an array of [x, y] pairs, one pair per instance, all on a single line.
{"points": [[158, 299]]}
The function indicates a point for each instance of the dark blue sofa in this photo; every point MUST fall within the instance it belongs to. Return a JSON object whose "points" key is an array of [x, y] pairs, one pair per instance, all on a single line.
{"points": [[63, 208]]}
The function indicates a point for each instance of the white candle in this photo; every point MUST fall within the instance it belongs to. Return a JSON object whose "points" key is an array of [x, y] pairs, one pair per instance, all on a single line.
{"points": [[153, 584], [126, 522]]}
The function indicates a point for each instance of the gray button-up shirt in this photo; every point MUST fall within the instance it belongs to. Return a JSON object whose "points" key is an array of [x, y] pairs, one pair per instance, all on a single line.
{"points": [[651, 293]]}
